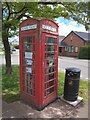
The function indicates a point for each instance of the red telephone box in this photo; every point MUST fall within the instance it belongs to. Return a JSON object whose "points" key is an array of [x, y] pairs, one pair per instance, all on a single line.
{"points": [[38, 61]]}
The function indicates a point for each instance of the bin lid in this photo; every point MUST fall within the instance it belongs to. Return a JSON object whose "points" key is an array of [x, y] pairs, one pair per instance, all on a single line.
{"points": [[73, 69]]}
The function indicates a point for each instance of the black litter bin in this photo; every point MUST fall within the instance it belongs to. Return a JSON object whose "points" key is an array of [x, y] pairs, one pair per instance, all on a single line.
{"points": [[71, 86]]}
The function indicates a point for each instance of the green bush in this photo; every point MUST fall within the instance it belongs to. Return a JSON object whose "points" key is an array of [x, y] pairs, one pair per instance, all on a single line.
{"points": [[84, 52]]}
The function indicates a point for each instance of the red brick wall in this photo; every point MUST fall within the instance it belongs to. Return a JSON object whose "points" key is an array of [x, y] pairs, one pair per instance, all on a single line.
{"points": [[73, 40], [76, 41]]}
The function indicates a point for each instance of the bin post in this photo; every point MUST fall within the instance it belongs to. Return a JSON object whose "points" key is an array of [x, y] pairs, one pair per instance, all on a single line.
{"points": [[71, 85]]}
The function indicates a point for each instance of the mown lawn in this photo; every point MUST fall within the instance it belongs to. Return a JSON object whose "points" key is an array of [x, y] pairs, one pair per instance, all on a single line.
{"points": [[83, 88], [10, 85], [11, 89]]}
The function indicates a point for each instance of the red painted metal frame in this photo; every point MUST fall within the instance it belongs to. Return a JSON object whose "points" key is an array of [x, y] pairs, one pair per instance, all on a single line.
{"points": [[55, 94], [39, 36]]}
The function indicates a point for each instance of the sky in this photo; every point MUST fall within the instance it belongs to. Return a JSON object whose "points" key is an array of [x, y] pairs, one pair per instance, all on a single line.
{"points": [[66, 26]]}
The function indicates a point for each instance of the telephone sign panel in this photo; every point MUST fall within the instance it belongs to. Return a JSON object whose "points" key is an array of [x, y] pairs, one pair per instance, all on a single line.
{"points": [[38, 61]]}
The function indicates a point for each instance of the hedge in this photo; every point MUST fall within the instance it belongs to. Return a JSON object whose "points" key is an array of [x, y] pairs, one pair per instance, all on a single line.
{"points": [[84, 52]]}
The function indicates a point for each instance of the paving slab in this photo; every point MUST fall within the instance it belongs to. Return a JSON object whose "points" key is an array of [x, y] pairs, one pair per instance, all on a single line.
{"points": [[57, 109], [49, 112], [83, 111], [8, 112]]}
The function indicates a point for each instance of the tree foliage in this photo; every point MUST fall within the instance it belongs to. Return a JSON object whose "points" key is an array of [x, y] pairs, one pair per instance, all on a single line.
{"points": [[15, 12]]}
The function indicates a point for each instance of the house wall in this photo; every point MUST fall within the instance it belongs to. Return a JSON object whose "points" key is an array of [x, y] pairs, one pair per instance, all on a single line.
{"points": [[74, 41], [61, 50]]}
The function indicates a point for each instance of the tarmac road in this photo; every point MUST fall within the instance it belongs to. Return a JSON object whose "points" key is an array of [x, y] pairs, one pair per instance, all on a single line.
{"points": [[63, 63], [67, 62]]}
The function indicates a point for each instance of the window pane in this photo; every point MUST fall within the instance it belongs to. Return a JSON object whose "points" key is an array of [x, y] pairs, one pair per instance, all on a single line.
{"points": [[30, 84], [50, 55], [28, 47], [51, 76], [26, 83], [30, 91], [49, 70], [50, 48], [76, 49], [46, 78], [49, 84], [51, 40], [29, 39], [72, 49], [28, 55], [28, 62], [28, 76], [50, 90], [50, 62], [66, 48], [28, 69]]}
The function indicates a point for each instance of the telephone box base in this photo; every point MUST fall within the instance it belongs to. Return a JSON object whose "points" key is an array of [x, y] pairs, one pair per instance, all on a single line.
{"points": [[34, 106]]}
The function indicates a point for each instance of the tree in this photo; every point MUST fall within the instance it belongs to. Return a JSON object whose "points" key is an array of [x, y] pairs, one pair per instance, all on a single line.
{"points": [[14, 12]]}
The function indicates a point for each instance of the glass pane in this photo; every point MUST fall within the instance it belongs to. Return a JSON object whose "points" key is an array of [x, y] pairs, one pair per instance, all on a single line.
{"points": [[50, 90], [45, 93], [30, 84], [49, 70], [28, 47], [46, 78], [50, 48], [30, 91], [51, 40], [28, 62], [45, 85], [28, 76], [50, 63], [28, 69], [51, 76], [50, 55], [28, 55], [29, 39], [26, 83], [49, 84]]}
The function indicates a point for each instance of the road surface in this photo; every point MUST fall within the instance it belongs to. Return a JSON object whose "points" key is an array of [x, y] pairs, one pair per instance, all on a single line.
{"points": [[63, 63], [67, 62]]}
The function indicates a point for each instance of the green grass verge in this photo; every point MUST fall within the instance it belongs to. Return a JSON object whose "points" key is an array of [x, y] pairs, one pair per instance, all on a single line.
{"points": [[10, 85], [83, 88], [11, 89]]}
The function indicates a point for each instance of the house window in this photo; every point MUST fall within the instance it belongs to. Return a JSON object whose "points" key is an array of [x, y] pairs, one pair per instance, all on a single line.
{"points": [[66, 49], [71, 49], [76, 49]]}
